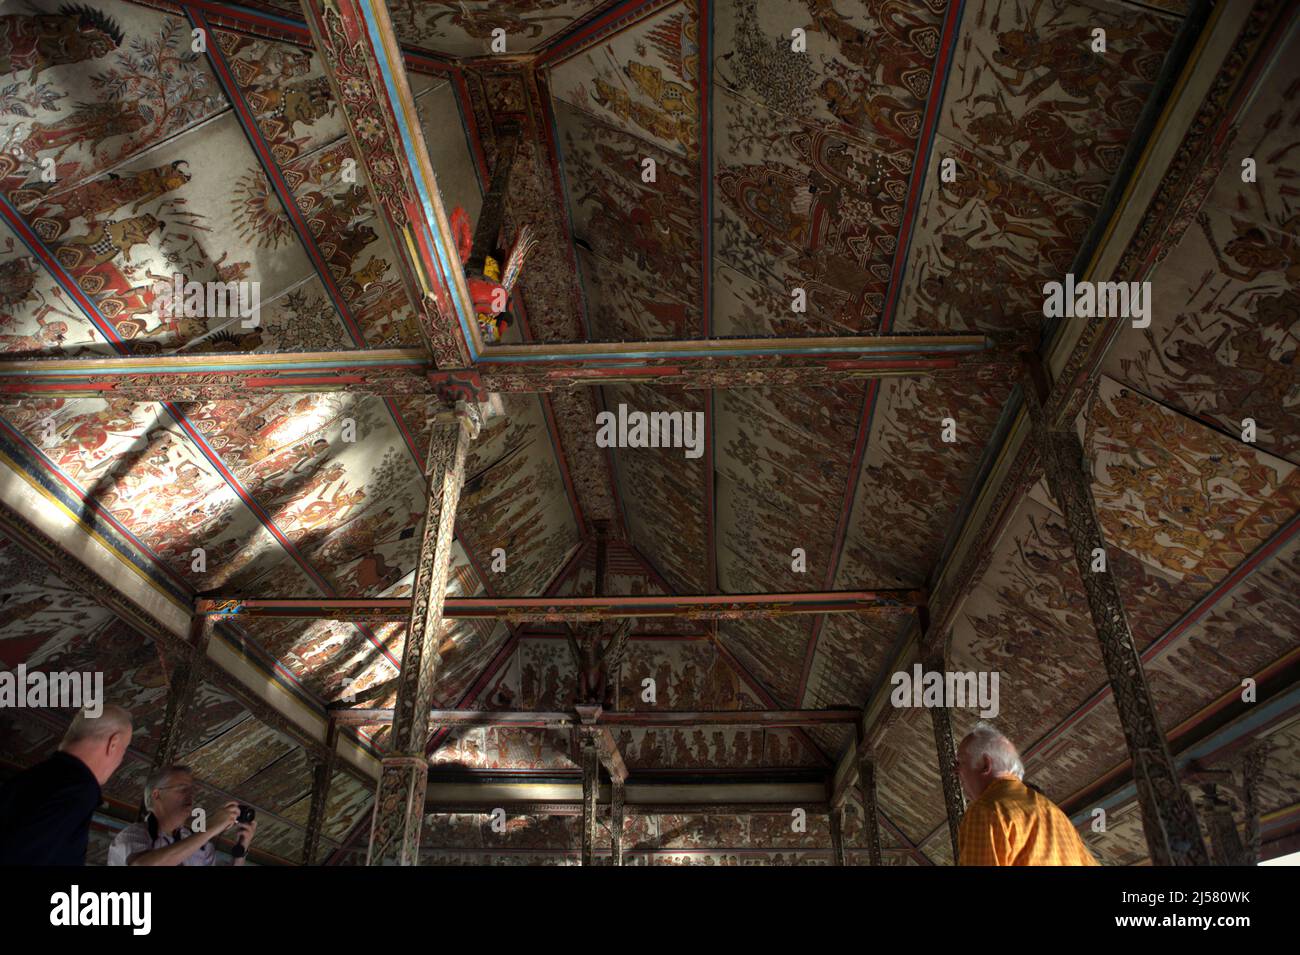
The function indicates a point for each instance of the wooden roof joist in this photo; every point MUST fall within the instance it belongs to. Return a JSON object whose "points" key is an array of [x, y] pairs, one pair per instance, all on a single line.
{"points": [[395, 372], [573, 609], [634, 718], [777, 796]]}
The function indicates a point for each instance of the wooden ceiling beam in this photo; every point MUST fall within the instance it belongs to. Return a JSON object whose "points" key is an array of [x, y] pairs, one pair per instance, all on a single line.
{"points": [[535, 369], [637, 719], [359, 50], [573, 609]]}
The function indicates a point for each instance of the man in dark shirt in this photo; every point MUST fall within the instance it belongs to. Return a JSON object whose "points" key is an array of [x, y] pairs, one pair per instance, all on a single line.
{"points": [[45, 811]]}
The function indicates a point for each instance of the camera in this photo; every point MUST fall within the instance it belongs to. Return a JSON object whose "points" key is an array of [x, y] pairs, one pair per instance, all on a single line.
{"points": [[246, 813]]}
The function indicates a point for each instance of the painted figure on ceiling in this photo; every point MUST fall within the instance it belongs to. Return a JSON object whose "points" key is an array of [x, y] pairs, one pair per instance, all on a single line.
{"points": [[73, 34], [525, 18], [490, 290]]}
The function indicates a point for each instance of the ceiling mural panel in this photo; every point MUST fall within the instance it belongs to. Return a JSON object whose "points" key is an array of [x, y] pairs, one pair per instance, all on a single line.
{"points": [[135, 462], [37, 317], [645, 79], [40, 614], [124, 236], [514, 499], [1034, 96], [1258, 623], [1279, 785], [687, 675], [852, 650], [702, 746], [983, 247], [663, 489], [237, 754], [914, 480], [624, 304], [783, 460], [866, 71], [357, 253], [650, 228], [93, 98], [464, 27], [803, 207], [1180, 496], [1223, 344], [907, 775], [773, 650]]}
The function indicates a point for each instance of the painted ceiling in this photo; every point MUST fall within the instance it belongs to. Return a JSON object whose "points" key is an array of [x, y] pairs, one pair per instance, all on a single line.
{"points": [[773, 172]]}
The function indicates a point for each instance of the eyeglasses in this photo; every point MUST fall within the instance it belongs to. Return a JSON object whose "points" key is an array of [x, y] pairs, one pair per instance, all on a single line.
{"points": [[186, 789]]}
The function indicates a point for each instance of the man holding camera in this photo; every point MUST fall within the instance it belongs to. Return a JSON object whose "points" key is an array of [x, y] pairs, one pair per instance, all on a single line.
{"points": [[164, 836]]}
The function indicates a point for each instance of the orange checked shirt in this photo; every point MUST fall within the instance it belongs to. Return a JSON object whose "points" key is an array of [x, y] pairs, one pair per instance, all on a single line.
{"points": [[1010, 824]]}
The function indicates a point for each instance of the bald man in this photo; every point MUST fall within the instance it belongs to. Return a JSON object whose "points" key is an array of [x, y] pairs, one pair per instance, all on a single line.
{"points": [[1007, 822], [45, 811]]}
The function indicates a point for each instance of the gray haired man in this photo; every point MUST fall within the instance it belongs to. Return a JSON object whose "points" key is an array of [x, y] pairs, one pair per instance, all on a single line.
{"points": [[45, 811], [165, 836]]}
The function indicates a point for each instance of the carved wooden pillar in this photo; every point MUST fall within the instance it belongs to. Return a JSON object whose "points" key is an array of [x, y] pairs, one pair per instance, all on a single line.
{"points": [[1225, 841], [399, 797], [322, 775], [837, 835], [1168, 817], [617, 796], [590, 757], [953, 799], [1252, 769], [870, 819], [182, 686]]}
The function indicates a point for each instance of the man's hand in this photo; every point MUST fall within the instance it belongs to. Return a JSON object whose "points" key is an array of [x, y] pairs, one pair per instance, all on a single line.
{"points": [[223, 819], [244, 832]]}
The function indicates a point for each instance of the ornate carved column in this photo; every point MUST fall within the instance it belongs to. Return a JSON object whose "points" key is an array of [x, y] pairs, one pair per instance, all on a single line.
{"points": [[618, 793], [1225, 841], [953, 799], [590, 757], [1168, 817], [870, 818], [186, 673], [399, 798], [1252, 769], [837, 835], [322, 775]]}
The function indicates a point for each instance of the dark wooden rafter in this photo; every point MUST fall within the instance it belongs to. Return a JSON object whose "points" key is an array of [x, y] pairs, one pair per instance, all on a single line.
{"points": [[183, 678], [520, 369], [638, 719], [322, 777], [362, 59], [572, 609]]}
